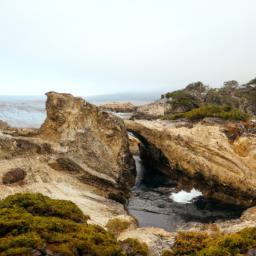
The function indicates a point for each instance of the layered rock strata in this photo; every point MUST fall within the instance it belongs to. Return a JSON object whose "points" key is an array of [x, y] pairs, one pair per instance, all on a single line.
{"points": [[80, 154], [202, 156], [122, 107]]}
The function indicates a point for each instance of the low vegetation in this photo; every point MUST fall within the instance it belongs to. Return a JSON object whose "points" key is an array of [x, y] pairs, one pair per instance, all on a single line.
{"points": [[33, 224], [196, 95], [210, 110], [201, 244], [117, 226], [181, 99], [167, 252], [133, 247]]}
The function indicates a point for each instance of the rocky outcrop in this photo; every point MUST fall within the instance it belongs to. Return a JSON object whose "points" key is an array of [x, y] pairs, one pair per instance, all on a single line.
{"points": [[122, 107], [201, 156], [134, 145], [152, 111], [80, 154], [194, 95], [156, 239]]}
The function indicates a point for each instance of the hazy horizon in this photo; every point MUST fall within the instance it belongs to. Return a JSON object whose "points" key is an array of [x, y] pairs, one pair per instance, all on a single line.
{"points": [[91, 48]]}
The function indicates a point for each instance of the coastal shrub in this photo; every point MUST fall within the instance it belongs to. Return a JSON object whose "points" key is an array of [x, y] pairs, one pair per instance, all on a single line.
{"points": [[38, 204], [210, 110], [117, 226], [218, 244], [132, 247], [189, 243], [33, 224], [231, 244], [167, 252], [183, 99]]}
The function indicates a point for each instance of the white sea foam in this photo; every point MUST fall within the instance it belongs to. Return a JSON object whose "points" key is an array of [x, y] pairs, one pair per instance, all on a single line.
{"points": [[185, 197]]}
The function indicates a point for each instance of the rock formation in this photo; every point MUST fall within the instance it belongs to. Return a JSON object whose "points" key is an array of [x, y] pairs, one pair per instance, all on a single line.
{"points": [[242, 97], [202, 156], [153, 110], [80, 154], [122, 107]]}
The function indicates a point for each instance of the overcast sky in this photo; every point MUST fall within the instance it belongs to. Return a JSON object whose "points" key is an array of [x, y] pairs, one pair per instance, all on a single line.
{"points": [[89, 47]]}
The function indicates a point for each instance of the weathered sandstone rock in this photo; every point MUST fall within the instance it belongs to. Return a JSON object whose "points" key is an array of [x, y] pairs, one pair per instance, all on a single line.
{"points": [[80, 154], [202, 157], [152, 111], [123, 107], [134, 145], [156, 239]]}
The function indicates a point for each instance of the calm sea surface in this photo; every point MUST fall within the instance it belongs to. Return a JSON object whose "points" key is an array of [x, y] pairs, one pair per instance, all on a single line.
{"points": [[29, 111]]}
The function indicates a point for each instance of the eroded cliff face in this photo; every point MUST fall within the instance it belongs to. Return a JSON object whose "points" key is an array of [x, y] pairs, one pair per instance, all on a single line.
{"points": [[123, 107], [201, 156], [80, 154]]}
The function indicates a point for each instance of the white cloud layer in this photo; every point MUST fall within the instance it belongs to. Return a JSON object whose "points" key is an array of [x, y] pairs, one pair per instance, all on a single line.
{"points": [[93, 47]]}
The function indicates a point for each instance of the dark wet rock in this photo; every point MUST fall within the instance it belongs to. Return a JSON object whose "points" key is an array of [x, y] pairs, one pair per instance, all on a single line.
{"points": [[67, 164], [13, 176]]}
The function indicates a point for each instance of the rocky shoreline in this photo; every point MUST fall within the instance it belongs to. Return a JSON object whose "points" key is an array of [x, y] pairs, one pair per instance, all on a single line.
{"points": [[84, 154], [80, 154]]}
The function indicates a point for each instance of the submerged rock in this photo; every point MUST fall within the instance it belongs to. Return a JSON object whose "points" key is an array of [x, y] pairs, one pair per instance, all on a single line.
{"points": [[80, 153], [202, 157]]}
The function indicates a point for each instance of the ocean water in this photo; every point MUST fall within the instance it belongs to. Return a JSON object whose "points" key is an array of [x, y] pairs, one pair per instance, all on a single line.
{"points": [[29, 111], [155, 202], [22, 111]]}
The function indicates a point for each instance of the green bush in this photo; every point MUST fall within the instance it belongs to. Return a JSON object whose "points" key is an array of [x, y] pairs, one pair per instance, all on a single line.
{"points": [[38, 204], [231, 244], [33, 222], [132, 247], [189, 243], [223, 112], [201, 244], [167, 252], [117, 226], [183, 99]]}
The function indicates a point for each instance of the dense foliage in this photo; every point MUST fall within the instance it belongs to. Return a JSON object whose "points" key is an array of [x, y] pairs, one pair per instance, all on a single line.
{"points": [[184, 100], [195, 95], [116, 226], [201, 244], [210, 110], [33, 224]]}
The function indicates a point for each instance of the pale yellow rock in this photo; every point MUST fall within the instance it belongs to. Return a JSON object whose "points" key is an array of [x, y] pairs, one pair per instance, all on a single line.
{"points": [[124, 107], [155, 238], [205, 158], [80, 154]]}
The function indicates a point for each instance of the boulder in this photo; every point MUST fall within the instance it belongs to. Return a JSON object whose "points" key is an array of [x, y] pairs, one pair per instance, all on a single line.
{"points": [[80, 153], [13, 176]]}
